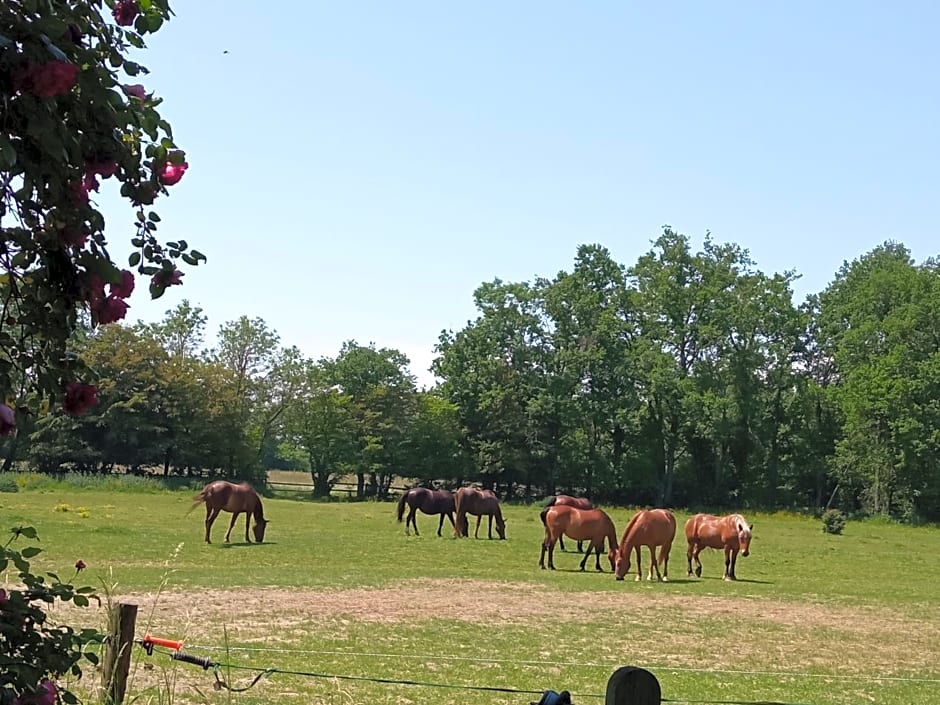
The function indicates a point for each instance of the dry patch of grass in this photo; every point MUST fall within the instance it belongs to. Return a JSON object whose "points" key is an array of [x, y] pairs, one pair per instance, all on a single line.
{"points": [[680, 631]]}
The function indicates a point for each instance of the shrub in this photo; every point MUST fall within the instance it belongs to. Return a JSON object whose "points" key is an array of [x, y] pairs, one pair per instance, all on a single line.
{"points": [[36, 650], [833, 521], [8, 483]]}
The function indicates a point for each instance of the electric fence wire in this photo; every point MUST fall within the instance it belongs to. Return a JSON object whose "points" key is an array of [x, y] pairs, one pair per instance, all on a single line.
{"points": [[571, 664]]}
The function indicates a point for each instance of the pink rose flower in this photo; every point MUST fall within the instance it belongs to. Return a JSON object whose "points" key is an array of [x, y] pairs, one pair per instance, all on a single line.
{"points": [[125, 12], [172, 173], [165, 278], [109, 310], [79, 397], [7, 420], [135, 90], [126, 287], [46, 80], [74, 236], [45, 694]]}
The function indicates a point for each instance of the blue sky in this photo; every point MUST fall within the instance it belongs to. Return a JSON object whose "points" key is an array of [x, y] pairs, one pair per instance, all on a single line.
{"points": [[358, 169]]}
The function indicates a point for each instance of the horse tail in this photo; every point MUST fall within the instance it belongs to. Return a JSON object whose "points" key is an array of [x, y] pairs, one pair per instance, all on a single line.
{"points": [[197, 500], [543, 513], [401, 504]]}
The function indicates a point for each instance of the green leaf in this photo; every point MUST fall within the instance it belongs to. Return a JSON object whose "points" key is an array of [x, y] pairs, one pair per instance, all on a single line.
{"points": [[80, 600], [198, 255], [134, 259], [31, 552], [27, 531], [7, 153]]}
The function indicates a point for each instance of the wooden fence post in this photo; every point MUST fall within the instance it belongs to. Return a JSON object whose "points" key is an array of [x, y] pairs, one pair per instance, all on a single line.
{"points": [[122, 621], [633, 686]]}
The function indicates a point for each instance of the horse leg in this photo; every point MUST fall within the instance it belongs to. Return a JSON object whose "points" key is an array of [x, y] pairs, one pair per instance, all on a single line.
{"points": [[228, 534], [597, 556], [584, 560], [413, 516], [698, 563], [211, 514], [639, 570], [441, 524], [490, 531], [561, 542], [664, 560], [654, 565], [581, 547], [247, 525], [450, 516], [476, 532], [730, 563], [688, 556]]}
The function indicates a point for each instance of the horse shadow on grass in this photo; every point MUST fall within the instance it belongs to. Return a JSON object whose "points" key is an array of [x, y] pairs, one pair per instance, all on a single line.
{"points": [[242, 544]]}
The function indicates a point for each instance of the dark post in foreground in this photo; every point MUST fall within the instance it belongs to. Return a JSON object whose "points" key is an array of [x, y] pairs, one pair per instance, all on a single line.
{"points": [[122, 621], [633, 686]]}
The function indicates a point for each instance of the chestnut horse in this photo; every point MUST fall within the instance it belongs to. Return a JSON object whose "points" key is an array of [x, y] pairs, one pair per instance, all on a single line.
{"points": [[428, 501], [731, 532], [652, 528], [470, 500], [225, 496], [581, 524], [568, 500]]}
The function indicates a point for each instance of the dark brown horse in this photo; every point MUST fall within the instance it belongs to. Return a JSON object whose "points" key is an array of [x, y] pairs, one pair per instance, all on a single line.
{"points": [[428, 501], [568, 500], [731, 533], [583, 525], [652, 528], [225, 496], [470, 500]]}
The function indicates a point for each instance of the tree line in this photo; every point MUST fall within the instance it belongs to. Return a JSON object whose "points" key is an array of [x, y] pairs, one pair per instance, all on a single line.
{"points": [[690, 379]]}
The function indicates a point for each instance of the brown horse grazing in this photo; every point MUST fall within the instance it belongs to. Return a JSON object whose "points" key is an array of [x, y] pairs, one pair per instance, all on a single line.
{"points": [[470, 500], [225, 496], [568, 500], [583, 525], [652, 528], [731, 532], [428, 501]]}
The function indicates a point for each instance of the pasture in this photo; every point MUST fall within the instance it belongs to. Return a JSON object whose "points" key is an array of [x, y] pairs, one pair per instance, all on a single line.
{"points": [[339, 590]]}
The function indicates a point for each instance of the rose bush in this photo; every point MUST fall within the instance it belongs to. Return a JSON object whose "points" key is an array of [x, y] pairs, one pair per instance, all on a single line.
{"points": [[36, 652], [72, 123]]}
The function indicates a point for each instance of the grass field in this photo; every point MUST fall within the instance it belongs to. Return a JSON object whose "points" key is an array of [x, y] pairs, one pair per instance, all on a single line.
{"points": [[339, 590]]}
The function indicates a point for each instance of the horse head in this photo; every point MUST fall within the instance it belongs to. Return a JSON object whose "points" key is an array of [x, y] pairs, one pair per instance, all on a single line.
{"points": [[258, 529], [744, 536], [613, 555], [621, 563]]}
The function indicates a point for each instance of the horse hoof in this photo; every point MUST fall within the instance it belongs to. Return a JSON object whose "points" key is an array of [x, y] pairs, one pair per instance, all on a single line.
{"points": [[665, 579], [618, 578], [698, 572], [638, 579]]}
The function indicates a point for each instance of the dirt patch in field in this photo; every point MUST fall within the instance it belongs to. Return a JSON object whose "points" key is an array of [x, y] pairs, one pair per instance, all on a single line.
{"points": [[651, 627], [811, 634]]}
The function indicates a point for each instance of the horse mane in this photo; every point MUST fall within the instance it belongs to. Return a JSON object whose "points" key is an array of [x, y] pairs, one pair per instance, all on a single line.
{"points": [[633, 520], [258, 510], [739, 519]]}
